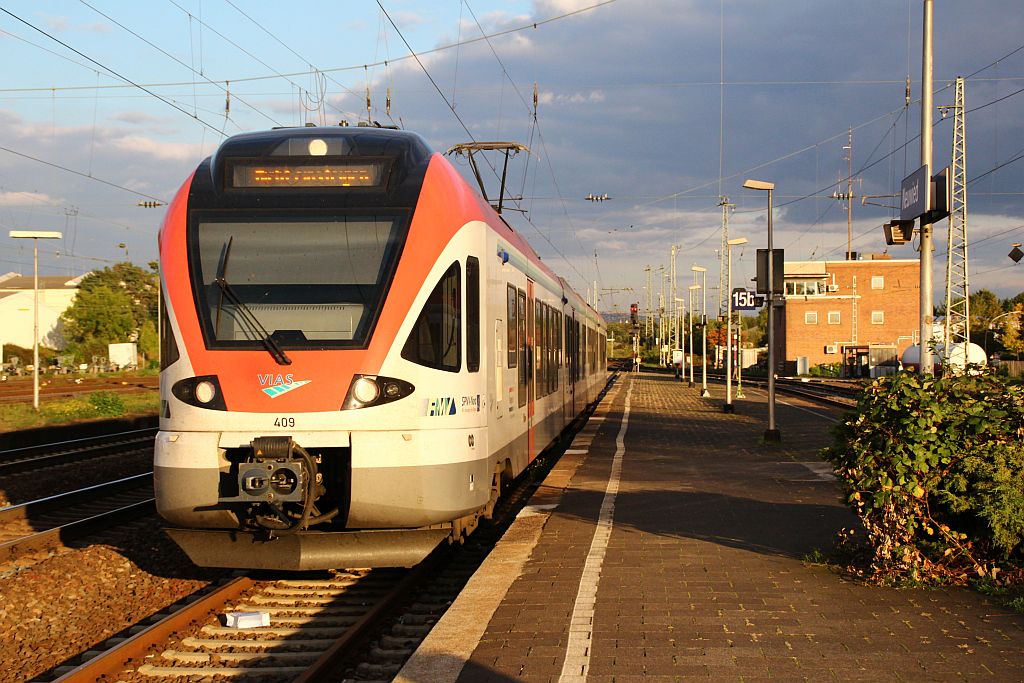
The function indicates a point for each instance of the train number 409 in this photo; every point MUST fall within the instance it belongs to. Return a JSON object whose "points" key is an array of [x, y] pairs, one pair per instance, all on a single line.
{"points": [[284, 422]]}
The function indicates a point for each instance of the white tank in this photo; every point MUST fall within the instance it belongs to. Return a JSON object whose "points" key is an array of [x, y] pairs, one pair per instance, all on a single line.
{"points": [[975, 355]]}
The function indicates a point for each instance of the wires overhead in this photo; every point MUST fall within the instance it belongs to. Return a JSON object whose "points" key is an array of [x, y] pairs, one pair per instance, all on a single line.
{"points": [[111, 71]]}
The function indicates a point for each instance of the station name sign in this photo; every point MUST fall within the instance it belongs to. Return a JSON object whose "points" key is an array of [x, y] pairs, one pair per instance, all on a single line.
{"points": [[915, 195]]}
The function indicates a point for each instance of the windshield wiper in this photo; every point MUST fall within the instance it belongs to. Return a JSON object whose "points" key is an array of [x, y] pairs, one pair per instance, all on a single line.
{"points": [[227, 291]]}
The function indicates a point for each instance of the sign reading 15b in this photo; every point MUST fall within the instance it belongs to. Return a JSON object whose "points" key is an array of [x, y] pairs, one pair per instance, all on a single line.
{"points": [[745, 300]]}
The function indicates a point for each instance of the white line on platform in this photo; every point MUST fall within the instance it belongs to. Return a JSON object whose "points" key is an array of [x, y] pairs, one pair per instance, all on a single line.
{"points": [[578, 649]]}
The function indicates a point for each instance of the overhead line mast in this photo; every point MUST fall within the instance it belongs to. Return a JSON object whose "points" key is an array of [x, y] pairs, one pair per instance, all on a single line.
{"points": [[848, 195], [722, 294], [958, 314]]}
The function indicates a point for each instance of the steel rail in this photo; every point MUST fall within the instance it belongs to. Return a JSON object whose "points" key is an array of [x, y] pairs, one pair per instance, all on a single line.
{"points": [[113, 662], [343, 646], [58, 535], [83, 495], [27, 458]]}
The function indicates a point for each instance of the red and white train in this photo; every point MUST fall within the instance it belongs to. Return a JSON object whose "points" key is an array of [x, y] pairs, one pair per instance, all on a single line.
{"points": [[357, 353]]}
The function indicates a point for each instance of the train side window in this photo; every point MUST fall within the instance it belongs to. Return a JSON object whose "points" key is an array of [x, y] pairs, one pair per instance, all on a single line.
{"points": [[435, 340], [169, 353], [472, 314], [523, 350], [549, 325], [538, 340], [553, 336], [513, 328]]}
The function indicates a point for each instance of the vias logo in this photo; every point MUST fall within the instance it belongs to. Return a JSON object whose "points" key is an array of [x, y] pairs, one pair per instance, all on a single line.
{"points": [[275, 385]]}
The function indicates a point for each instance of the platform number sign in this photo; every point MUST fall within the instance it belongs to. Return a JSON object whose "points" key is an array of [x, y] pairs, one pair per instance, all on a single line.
{"points": [[745, 300]]}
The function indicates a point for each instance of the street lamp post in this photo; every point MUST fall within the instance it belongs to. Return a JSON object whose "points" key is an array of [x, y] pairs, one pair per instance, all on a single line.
{"points": [[703, 328], [692, 288], [35, 236], [728, 406], [772, 433]]}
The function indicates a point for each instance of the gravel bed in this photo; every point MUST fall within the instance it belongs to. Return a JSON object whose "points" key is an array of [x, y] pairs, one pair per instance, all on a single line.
{"points": [[28, 486], [56, 605]]}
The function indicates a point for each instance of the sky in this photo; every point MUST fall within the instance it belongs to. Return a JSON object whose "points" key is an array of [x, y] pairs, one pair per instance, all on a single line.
{"points": [[666, 106]]}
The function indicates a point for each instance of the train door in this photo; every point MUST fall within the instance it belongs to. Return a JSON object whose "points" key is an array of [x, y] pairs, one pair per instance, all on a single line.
{"points": [[531, 371]]}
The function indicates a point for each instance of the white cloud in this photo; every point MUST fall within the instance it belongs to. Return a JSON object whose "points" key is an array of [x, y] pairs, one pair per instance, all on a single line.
{"points": [[547, 97], [137, 118], [146, 148], [25, 198]]}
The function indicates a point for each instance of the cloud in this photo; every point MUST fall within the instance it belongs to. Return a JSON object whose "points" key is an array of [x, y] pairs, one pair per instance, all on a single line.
{"points": [[137, 118], [144, 148], [591, 97], [25, 198], [61, 24]]}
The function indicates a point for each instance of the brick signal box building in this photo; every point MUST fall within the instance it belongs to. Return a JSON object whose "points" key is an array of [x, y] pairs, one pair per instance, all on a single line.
{"points": [[862, 313]]}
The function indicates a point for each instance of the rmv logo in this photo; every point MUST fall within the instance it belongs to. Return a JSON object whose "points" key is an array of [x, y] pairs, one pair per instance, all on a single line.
{"points": [[440, 406]]}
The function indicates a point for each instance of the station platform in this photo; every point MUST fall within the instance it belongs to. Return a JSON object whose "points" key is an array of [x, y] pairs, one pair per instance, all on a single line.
{"points": [[670, 543]]}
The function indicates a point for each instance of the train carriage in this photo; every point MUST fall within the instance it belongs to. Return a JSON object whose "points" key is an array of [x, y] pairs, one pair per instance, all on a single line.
{"points": [[357, 352]]}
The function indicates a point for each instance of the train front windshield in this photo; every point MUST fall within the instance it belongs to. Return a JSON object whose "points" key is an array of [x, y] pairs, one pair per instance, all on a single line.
{"points": [[317, 282]]}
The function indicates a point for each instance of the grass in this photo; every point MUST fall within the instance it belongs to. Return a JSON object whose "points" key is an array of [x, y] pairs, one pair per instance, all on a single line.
{"points": [[1011, 596], [87, 406]]}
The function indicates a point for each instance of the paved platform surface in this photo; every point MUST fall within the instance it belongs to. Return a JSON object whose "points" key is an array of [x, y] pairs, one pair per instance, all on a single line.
{"points": [[669, 544]]}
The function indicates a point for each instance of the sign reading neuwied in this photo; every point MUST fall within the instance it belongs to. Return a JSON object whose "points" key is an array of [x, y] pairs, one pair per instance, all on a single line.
{"points": [[915, 195]]}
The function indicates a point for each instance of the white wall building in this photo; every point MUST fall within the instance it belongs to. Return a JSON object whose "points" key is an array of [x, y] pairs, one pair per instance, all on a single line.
{"points": [[56, 292]]}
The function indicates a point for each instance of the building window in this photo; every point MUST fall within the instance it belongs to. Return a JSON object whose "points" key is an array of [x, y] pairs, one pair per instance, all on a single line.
{"points": [[833, 317], [877, 282], [805, 287], [811, 318], [877, 317]]}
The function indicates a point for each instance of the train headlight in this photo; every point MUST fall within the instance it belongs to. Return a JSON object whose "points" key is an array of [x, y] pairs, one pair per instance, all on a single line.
{"points": [[201, 392], [205, 391], [365, 390], [373, 390]]}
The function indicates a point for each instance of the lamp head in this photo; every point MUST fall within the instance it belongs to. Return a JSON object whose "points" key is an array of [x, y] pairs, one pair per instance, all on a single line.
{"points": [[737, 241], [758, 185], [37, 234], [698, 269]]}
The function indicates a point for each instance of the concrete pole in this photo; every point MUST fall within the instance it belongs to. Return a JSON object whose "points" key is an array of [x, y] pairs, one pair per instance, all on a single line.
{"points": [[728, 407], [926, 161], [772, 434], [704, 333], [35, 324], [691, 328]]}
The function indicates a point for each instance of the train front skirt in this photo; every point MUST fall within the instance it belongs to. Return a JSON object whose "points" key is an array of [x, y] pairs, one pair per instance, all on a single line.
{"points": [[308, 550]]}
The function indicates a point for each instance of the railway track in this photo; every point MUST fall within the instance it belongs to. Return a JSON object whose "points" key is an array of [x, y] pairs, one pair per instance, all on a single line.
{"points": [[64, 386], [837, 394], [316, 621], [335, 625], [29, 458], [50, 523]]}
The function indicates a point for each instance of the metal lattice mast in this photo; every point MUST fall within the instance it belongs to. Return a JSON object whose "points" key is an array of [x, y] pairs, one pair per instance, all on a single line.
{"points": [[722, 294], [649, 320], [958, 315]]}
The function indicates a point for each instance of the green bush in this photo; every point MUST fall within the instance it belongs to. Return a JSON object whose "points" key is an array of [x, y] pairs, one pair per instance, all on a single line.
{"points": [[934, 468], [107, 403]]}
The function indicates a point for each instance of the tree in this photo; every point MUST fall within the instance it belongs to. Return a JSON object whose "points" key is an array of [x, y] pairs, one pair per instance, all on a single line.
{"points": [[984, 307], [113, 305], [1012, 339], [1008, 304]]}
